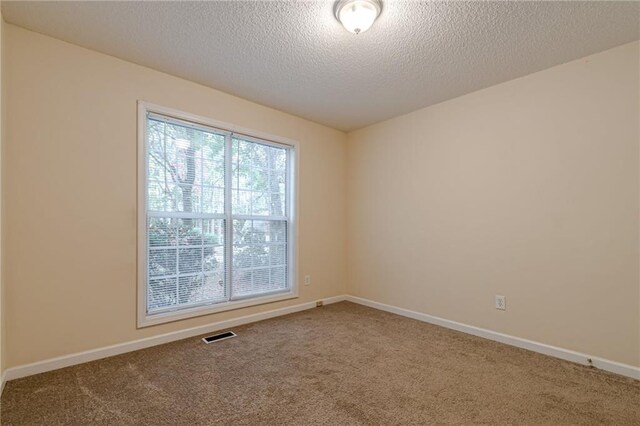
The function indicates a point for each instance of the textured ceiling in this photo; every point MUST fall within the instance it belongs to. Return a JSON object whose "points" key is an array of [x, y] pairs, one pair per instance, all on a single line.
{"points": [[294, 56]]}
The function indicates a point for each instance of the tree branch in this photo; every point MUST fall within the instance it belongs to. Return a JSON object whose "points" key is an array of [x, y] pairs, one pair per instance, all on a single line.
{"points": [[171, 169]]}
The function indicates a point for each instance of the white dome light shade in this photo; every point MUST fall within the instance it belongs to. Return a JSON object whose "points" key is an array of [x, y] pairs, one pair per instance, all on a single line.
{"points": [[357, 16]]}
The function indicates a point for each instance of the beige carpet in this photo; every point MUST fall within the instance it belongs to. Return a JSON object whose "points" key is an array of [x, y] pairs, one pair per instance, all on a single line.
{"points": [[343, 364]]}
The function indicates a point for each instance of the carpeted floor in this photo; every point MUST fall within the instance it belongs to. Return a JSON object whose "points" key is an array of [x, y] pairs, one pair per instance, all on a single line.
{"points": [[343, 364]]}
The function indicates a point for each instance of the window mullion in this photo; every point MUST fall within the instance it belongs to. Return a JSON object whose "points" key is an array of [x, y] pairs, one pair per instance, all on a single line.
{"points": [[228, 238]]}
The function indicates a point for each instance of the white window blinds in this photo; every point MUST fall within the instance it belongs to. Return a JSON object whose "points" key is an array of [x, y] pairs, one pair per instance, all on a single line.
{"points": [[218, 209]]}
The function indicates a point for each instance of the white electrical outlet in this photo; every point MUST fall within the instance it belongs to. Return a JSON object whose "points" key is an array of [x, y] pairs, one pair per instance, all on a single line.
{"points": [[501, 302], [307, 280]]}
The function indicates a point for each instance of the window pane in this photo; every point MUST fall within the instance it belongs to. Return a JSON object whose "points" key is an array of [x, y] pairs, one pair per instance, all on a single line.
{"points": [[161, 232], [213, 260], [243, 282], [161, 293], [162, 262], [201, 288], [189, 232], [258, 182], [241, 202], [213, 173], [161, 196], [261, 281], [259, 203], [181, 162], [278, 277], [212, 200], [190, 260], [278, 253], [187, 258], [259, 256]]}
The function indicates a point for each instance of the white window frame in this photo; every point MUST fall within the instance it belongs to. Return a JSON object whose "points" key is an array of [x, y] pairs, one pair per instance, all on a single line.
{"points": [[145, 319]]}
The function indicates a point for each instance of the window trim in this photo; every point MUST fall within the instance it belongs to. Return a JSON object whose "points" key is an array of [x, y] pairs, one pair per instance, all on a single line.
{"points": [[143, 318]]}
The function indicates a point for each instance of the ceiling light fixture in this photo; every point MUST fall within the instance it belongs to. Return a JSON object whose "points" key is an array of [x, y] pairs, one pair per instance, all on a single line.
{"points": [[357, 16]]}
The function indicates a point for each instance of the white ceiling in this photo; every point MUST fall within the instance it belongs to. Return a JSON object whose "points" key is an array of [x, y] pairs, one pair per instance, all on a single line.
{"points": [[294, 56]]}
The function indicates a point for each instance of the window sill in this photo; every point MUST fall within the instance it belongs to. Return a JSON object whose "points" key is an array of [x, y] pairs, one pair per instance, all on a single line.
{"points": [[146, 320]]}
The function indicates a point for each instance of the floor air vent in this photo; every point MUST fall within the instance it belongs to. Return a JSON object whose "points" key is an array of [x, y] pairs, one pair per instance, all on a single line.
{"points": [[218, 337]]}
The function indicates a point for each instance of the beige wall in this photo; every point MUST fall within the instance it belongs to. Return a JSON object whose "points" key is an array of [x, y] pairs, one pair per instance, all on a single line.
{"points": [[70, 194], [527, 189]]}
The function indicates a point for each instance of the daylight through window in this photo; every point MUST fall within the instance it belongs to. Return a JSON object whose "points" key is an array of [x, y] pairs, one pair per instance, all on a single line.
{"points": [[218, 210]]}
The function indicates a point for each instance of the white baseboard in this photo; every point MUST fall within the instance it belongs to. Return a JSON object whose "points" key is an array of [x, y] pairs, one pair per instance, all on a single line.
{"points": [[2, 382], [107, 351], [566, 354]]}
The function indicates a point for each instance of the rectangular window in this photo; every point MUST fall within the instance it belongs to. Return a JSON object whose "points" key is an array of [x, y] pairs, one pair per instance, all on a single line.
{"points": [[217, 218]]}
